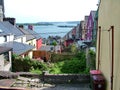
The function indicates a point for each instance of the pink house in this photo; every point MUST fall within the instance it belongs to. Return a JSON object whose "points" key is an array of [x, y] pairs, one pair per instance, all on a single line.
{"points": [[90, 26], [38, 43]]}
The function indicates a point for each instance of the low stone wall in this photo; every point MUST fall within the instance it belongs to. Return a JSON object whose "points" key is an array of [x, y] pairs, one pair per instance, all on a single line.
{"points": [[65, 78], [59, 78]]}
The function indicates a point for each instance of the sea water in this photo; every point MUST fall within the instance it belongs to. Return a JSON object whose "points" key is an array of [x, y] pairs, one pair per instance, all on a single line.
{"points": [[53, 30]]}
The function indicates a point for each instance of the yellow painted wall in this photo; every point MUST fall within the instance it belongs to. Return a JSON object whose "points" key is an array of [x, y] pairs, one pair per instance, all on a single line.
{"points": [[32, 42], [109, 15]]}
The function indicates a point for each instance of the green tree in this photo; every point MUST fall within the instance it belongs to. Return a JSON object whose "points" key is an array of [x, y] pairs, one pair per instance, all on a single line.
{"points": [[54, 44], [92, 57], [73, 48], [74, 66], [26, 64]]}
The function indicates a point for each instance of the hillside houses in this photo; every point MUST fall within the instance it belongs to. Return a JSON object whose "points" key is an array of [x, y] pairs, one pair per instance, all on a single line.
{"points": [[22, 42], [83, 32]]}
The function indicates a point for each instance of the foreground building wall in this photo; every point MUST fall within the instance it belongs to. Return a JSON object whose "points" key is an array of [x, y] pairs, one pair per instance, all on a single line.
{"points": [[109, 15]]}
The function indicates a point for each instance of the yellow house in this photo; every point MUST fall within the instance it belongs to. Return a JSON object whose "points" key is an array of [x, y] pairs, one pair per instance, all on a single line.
{"points": [[30, 40], [108, 43]]}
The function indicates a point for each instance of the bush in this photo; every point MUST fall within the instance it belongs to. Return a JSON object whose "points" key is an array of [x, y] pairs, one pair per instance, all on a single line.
{"points": [[26, 64], [61, 57], [92, 57], [74, 66]]}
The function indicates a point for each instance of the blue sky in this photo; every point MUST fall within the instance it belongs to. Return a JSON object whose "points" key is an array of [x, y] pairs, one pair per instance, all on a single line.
{"points": [[48, 10]]}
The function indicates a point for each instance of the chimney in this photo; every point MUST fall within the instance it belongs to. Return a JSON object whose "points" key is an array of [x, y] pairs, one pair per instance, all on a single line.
{"points": [[30, 27], [1, 13], [11, 20], [3, 9], [21, 26]]}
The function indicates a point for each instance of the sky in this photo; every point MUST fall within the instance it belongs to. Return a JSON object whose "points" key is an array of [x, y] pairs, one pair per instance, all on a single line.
{"points": [[32, 11]]}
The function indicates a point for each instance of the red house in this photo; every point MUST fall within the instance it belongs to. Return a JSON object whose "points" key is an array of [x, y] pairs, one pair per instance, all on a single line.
{"points": [[37, 37], [68, 42]]}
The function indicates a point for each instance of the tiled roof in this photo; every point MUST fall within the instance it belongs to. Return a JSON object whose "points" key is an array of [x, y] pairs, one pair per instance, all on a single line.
{"points": [[4, 49], [29, 36], [8, 28], [36, 35], [19, 48]]}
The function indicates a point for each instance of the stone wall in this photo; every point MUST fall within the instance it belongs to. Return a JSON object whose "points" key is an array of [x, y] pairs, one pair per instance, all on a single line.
{"points": [[59, 78], [65, 78]]}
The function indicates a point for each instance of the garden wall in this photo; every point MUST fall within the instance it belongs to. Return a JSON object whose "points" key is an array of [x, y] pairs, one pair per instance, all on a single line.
{"points": [[60, 78], [65, 78]]}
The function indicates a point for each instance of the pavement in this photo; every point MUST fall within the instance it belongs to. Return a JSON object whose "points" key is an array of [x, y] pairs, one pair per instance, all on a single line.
{"points": [[7, 82], [65, 87], [81, 86]]}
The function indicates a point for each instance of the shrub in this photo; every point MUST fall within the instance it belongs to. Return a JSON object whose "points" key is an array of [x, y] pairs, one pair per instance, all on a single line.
{"points": [[92, 57], [26, 64], [74, 66]]}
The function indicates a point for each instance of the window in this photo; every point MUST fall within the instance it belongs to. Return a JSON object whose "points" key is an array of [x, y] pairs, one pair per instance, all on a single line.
{"points": [[6, 58], [5, 38]]}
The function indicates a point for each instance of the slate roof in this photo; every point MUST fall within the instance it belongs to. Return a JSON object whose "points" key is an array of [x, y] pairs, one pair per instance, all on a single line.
{"points": [[8, 28], [4, 49], [3, 30], [29, 36], [18, 48], [36, 35]]}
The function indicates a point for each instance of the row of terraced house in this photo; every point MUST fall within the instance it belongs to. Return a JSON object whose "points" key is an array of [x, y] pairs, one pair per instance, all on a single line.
{"points": [[15, 40], [84, 34]]}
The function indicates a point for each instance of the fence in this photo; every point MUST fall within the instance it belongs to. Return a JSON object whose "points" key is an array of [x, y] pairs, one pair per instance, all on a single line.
{"points": [[41, 54]]}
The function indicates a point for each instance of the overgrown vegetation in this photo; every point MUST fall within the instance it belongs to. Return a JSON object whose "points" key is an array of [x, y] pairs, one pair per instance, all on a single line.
{"points": [[75, 64], [92, 57], [26, 64]]}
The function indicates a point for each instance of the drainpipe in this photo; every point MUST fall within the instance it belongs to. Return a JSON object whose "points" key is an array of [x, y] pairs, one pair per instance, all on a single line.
{"points": [[99, 42], [112, 72]]}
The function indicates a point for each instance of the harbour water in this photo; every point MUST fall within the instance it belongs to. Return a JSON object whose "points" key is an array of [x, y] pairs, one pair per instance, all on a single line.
{"points": [[54, 29]]}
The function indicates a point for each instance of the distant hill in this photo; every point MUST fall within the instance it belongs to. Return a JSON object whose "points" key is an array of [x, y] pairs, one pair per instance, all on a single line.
{"points": [[51, 23], [69, 22]]}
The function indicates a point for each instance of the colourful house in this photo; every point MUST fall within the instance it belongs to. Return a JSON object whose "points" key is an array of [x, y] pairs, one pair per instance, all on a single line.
{"points": [[37, 37], [84, 31], [73, 33], [30, 39], [95, 28], [68, 42], [11, 36], [108, 43], [90, 25]]}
